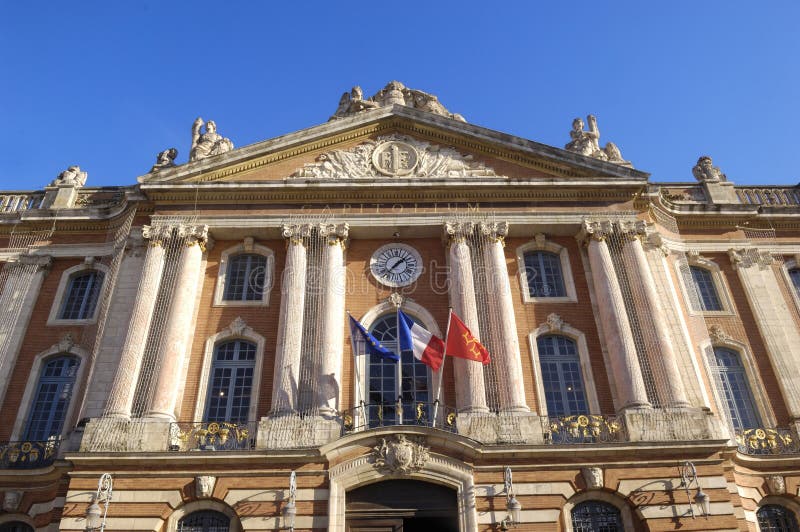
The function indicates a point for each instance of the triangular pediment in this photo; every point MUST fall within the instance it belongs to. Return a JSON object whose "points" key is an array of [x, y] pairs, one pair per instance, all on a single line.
{"points": [[393, 143]]}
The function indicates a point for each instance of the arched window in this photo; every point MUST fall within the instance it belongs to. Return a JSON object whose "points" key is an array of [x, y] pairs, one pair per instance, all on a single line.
{"points": [[774, 518], [231, 382], [561, 376], [706, 289], [205, 521], [82, 295], [543, 272], [51, 398], [794, 275], [735, 389], [387, 380], [596, 516], [245, 277]]}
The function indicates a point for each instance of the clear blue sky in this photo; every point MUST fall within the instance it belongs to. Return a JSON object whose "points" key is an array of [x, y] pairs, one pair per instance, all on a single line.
{"points": [[107, 85]]}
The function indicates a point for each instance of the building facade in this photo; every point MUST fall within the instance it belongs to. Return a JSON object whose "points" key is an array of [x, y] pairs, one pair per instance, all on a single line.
{"points": [[187, 340]]}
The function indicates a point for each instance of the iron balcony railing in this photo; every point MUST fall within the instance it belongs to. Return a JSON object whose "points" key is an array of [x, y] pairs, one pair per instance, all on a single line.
{"points": [[212, 436], [763, 441], [422, 414], [28, 454], [584, 428]]}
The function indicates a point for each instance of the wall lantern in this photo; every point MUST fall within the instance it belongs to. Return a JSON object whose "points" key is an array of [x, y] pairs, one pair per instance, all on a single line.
{"points": [[95, 514], [290, 508], [513, 507], [701, 499]]}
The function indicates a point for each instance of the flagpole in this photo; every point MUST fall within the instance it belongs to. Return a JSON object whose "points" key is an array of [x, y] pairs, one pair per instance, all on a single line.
{"points": [[441, 374], [358, 376]]}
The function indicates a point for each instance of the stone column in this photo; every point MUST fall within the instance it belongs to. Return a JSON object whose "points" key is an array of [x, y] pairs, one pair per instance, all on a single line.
{"points": [[668, 380], [774, 319], [24, 278], [625, 370], [501, 305], [120, 401], [470, 387], [290, 325], [333, 302], [178, 331]]}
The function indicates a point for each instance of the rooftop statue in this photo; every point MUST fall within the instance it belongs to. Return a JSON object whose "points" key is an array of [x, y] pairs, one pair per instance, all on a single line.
{"points": [[209, 143], [165, 159], [588, 143], [705, 170], [394, 93], [71, 176]]}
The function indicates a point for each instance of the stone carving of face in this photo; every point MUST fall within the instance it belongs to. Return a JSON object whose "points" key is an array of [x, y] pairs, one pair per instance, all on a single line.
{"points": [[211, 126], [577, 124]]}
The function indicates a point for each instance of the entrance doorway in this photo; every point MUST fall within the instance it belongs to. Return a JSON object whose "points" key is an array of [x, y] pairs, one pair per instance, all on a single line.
{"points": [[401, 506]]}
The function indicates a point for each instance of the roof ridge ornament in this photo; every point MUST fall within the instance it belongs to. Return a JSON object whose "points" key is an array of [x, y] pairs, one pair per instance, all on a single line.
{"points": [[394, 93], [588, 143]]}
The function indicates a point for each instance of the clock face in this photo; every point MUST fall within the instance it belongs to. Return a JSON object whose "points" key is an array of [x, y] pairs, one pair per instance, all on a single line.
{"points": [[396, 265]]}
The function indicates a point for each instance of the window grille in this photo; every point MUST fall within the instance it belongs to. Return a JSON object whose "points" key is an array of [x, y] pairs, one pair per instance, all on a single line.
{"points": [[543, 272], [388, 380], [561, 376], [774, 518], [82, 295], [736, 390], [52, 397], [245, 278], [205, 521], [704, 282], [596, 516], [231, 382]]}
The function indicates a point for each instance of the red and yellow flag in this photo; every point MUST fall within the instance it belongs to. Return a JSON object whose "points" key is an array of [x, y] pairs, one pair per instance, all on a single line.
{"points": [[462, 344]]}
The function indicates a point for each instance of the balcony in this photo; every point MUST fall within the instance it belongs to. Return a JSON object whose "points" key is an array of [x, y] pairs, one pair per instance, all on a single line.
{"points": [[365, 417], [28, 454], [212, 436], [584, 429], [763, 441]]}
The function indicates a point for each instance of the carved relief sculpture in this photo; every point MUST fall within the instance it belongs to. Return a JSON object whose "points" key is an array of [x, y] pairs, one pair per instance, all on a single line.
{"points": [[394, 93], [587, 143], [165, 159], [11, 500], [209, 143], [204, 486], [71, 176], [400, 455], [705, 171], [593, 476], [776, 484]]}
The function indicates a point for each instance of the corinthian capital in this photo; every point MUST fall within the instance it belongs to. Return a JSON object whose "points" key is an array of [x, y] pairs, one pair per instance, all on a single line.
{"points": [[495, 230], [747, 257], [458, 231], [597, 230], [157, 234], [296, 233], [335, 233], [633, 228], [194, 234]]}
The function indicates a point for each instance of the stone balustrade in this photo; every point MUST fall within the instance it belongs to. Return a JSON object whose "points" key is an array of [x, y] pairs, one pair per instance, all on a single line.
{"points": [[20, 202]]}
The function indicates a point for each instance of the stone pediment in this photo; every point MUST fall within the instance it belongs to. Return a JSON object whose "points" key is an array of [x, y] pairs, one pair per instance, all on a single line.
{"points": [[394, 156]]}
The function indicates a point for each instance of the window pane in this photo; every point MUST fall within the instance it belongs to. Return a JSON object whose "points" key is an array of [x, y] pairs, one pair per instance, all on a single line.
{"points": [[543, 272], [596, 516], [245, 278], [561, 376], [52, 397], [735, 392], [706, 291], [774, 518], [231, 382], [82, 294], [794, 275]]}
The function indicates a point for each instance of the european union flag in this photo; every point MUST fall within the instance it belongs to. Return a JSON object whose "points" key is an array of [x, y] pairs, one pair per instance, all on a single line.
{"points": [[371, 344]]}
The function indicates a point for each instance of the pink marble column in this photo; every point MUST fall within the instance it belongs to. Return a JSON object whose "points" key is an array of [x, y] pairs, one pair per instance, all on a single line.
{"points": [[625, 370], [178, 331], [668, 380], [285, 392], [120, 401], [508, 361], [329, 379], [470, 386]]}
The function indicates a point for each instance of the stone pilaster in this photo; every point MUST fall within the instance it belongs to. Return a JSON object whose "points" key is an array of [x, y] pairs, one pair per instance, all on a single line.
{"points": [[668, 381], [290, 325], [774, 320], [24, 277], [501, 305], [330, 378], [178, 331], [470, 387], [625, 370]]}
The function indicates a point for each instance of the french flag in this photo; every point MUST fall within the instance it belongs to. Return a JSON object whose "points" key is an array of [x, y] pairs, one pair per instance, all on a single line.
{"points": [[425, 347]]}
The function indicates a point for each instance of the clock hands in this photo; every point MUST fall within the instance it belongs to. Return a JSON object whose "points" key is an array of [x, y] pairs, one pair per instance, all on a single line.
{"points": [[395, 265]]}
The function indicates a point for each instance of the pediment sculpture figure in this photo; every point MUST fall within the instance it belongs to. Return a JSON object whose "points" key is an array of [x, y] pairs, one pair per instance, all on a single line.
{"points": [[209, 143], [394, 93], [587, 142], [71, 176], [705, 171], [165, 159]]}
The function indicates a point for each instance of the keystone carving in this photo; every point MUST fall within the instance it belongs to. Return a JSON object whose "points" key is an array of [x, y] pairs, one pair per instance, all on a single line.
{"points": [[593, 476], [776, 484], [237, 326], [554, 322], [718, 335], [204, 486], [11, 500], [401, 455]]}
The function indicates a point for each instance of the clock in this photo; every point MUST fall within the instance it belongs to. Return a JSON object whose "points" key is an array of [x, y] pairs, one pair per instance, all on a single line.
{"points": [[396, 265]]}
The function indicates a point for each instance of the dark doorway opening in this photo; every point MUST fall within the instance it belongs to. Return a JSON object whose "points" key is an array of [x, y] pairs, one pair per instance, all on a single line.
{"points": [[402, 506]]}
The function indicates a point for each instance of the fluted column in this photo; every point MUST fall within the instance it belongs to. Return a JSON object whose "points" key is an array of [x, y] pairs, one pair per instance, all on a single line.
{"points": [[24, 279], [470, 386], [178, 332], [501, 305], [330, 371], [669, 384], [120, 401], [290, 324], [625, 370]]}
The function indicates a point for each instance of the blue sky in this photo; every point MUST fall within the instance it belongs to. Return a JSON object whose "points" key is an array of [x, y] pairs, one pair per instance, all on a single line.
{"points": [[107, 85]]}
